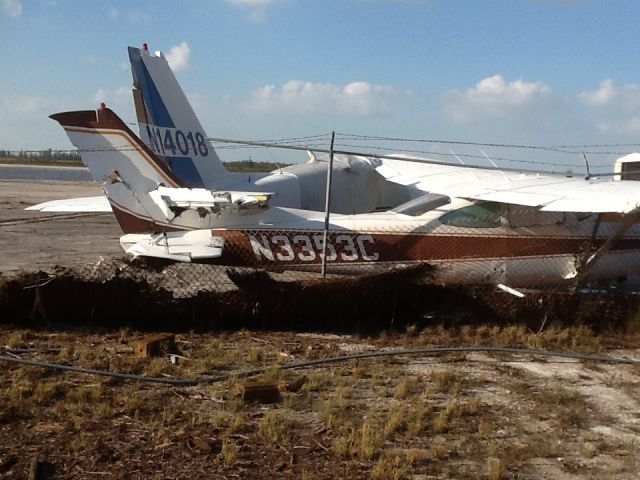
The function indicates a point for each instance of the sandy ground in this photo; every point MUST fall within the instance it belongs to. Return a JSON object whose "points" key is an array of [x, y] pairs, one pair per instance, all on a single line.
{"points": [[34, 240]]}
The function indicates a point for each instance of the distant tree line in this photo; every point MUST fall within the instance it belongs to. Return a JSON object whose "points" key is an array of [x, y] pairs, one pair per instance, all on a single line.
{"points": [[40, 156], [251, 166], [48, 157]]}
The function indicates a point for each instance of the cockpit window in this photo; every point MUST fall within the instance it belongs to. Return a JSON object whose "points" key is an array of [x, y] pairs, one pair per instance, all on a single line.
{"points": [[481, 215]]}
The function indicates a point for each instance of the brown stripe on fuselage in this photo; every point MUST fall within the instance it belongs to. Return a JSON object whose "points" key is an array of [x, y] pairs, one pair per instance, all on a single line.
{"points": [[302, 248], [130, 222]]}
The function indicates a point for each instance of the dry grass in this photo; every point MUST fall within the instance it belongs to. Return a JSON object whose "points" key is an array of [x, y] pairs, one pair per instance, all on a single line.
{"points": [[229, 453], [368, 441], [390, 466], [396, 421], [442, 381], [495, 469], [274, 428], [443, 421], [418, 417], [386, 420]]}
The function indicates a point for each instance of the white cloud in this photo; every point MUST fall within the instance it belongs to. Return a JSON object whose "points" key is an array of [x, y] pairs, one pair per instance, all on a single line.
{"points": [[178, 57], [609, 95], [119, 100], [296, 96], [494, 97], [114, 99], [113, 13], [632, 126], [629, 127], [13, 8], [617, 108], [26, 105], [24, 115]]}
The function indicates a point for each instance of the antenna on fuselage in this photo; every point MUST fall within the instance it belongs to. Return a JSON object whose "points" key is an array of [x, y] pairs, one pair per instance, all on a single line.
{"points": [[586, 162]]}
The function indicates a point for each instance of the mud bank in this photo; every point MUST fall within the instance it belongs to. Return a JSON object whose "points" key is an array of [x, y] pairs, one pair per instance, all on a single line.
{"points": [[137, 297]]}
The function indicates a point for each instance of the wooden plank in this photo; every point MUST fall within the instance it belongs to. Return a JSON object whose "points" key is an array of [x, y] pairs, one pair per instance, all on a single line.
{"points": [[262, 392], [295, 385], [155, 345]]}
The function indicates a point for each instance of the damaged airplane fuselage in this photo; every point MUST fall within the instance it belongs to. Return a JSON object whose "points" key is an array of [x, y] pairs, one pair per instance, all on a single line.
{"points": [[467, 239]]}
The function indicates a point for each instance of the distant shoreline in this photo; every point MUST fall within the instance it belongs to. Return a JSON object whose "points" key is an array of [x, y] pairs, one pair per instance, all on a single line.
{"points": [[20, 162], [237, 166]]}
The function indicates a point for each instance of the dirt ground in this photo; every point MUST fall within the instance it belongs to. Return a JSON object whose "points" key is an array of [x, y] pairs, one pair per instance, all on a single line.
{"points": [[33, 240], [471, 415]]}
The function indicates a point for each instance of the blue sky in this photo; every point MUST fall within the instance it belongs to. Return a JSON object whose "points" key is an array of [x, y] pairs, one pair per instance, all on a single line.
{"points": [[542, 72]]}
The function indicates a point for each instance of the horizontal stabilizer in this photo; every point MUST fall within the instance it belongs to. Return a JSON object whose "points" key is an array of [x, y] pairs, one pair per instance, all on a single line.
{"points": [[185, 246], [72, 205]]}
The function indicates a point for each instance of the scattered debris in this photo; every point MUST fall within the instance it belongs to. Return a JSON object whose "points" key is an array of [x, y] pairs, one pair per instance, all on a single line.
{"points": [[261, 392], [295, 385], [155, 345], [204, 446], [40, 469]]}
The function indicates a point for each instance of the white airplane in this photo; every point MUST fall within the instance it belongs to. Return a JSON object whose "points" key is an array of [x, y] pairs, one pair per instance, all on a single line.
{"points": [[171, 129], [472, 225]]}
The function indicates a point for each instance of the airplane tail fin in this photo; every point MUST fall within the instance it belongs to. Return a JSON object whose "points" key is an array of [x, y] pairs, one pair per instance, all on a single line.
{"points": [[128, 169], [168, 124]]}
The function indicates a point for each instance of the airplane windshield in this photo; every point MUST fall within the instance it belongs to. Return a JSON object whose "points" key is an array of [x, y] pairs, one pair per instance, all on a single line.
{"points": [[481, 215]]}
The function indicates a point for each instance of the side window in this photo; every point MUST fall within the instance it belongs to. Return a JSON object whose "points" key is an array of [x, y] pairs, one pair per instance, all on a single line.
{"points": [[481, 215], [524, 216]]}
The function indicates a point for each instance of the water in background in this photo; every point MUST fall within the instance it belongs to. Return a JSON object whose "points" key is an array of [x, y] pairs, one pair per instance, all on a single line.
{"points": [[37, 172]]}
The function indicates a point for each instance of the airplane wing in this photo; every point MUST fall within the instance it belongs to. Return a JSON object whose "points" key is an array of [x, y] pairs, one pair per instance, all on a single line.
{"points": [[548, 192], [72, 205]]}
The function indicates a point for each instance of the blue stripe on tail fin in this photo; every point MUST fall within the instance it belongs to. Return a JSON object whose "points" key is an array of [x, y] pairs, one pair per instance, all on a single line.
{"points": [[159, 131]]}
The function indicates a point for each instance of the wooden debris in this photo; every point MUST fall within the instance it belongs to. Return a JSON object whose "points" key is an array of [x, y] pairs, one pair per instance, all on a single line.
{"points": [[204, 446], [155, 345], [40, 470], [262, 392], [294, 385]]}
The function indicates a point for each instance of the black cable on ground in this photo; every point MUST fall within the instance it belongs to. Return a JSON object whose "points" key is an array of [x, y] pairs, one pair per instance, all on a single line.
{"points": [[17, 351], [321, 361]]}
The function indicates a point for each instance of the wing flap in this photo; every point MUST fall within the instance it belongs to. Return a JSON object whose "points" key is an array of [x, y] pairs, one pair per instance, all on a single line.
{"points": [[72, 205]]}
